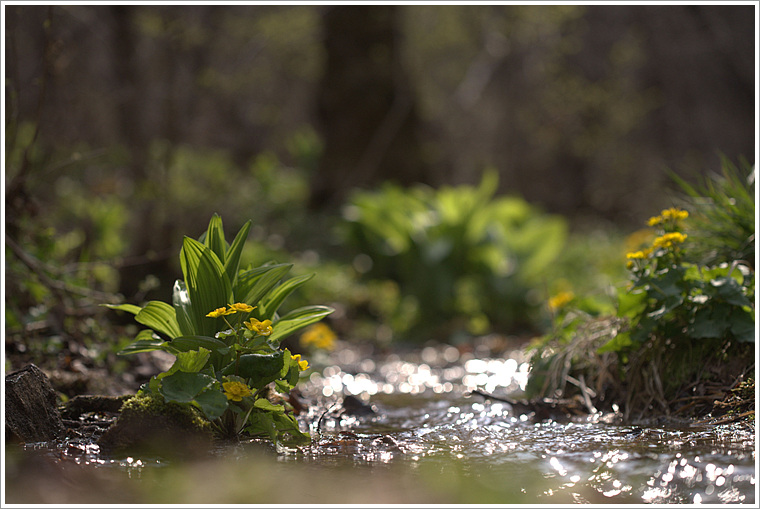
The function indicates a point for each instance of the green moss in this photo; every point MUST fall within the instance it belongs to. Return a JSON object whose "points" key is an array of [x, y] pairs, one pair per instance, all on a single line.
{"points": [[144, 406], [149, 426]]}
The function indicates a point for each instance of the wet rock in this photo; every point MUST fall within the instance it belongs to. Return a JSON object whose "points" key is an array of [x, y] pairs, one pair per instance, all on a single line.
{"points": [[31, 412], [151, 427], [80, 405]]}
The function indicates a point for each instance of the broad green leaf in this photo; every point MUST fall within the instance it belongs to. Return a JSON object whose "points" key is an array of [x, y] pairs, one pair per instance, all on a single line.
{"points": [[186, 343], [730, 291], [143, 345], [207, 284], [212, 403], [184, 387], [709, 324], [160, 317], [268, 406], [743, 326], [214, 239], [260, 369], [297, 319], [265, 283], [286, 423], [220, 352], [262, 423], [631, 304], [270, 303], [232, 260], [129, 308], [192, 361]]}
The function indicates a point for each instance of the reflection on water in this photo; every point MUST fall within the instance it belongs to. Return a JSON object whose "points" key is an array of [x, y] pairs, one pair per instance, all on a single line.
{"points": [[426, 441], [423, 414]]}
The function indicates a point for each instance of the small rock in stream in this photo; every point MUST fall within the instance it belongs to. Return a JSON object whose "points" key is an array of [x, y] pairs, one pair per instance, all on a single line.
{"points": [[31, 411]]}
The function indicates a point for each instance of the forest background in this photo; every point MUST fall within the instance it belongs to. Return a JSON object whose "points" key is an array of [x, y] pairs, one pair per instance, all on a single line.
{"points": [[128, 126]]}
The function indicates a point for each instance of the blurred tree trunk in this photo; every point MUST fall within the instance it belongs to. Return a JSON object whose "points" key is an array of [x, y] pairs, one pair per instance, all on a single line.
{"points": [[366, 107], [150, 243]]}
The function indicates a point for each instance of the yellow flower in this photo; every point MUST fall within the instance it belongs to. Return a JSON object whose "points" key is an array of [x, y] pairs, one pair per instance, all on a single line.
{"points": [[674, 213], [236, 391], [220, 312], [669, 239], [303, 365], [319, 335], [560, 300], [264, 328], [654, 221], [243, 308], [639, 255]]}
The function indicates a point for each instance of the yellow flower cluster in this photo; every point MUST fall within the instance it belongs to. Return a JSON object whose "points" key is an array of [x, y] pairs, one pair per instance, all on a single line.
{"points": [[560, 300], [639, 255], [236, 391], [320, 335], [671, 214], [669, 239], [264, 328], [233, 308], [303, 365]]}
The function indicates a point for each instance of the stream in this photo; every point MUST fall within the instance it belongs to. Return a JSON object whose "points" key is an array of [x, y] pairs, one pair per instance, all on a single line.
{"points": [[415, 434]]}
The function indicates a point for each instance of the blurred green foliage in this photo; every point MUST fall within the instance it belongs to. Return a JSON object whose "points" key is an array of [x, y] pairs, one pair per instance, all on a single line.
{"points": [[464, 260]]}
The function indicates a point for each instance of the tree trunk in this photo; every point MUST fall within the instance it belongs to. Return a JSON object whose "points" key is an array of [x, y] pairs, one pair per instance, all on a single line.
{"points": [[366, 108]]}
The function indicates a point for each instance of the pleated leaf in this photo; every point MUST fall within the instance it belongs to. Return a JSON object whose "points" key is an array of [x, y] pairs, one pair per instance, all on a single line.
{"points": [[270, 303], [160, 317], [297, 319], [207, 285], [232, 260]]}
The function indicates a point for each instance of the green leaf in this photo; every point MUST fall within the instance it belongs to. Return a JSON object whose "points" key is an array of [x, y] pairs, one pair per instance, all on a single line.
{"points": [[129, 308], [212, 403], [268, 406], [192, 361], [262, 284], [620, 342], [709, 324], [270, 303], [184, 387], [160, 317], [232, 262], [186, 343], [143, 345], [631, 304], [259, 368], [262, 423], [215, 238], [207, 284], [743, 326], [730, 291], [290, 370], [183, 308], [297, 319]]}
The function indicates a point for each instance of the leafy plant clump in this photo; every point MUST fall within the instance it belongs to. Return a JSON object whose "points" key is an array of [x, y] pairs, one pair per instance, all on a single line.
{"points": [[684, 320], [225, 332], [466, 261]]}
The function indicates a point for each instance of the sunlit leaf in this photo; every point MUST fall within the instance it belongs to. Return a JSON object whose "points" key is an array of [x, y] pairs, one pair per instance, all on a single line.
{"points": [[160, 317], [270, 303], [297, 319]]}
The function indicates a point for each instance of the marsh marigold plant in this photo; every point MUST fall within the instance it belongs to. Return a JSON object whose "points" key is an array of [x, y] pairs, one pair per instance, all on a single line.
{"points": [[224, 329]]}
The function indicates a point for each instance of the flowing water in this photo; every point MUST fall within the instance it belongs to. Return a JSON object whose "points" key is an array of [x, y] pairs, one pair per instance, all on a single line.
{"points": [[420, 437]]}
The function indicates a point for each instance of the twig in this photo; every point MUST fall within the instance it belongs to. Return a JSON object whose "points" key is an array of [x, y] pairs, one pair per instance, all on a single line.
{"points": [[727, 419]]}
